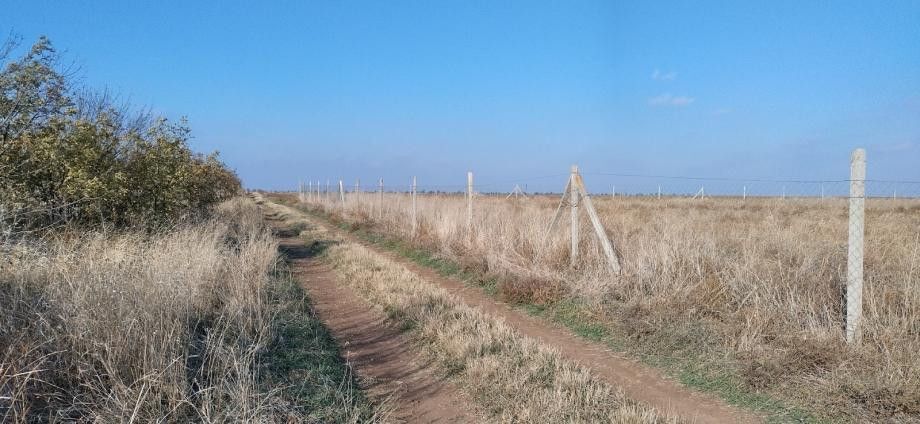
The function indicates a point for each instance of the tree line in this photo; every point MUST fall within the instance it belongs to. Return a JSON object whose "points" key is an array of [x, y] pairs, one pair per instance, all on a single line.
{"points": [[73, 157]]}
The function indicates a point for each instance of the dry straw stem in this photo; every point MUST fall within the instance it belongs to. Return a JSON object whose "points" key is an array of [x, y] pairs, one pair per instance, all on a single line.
{"points": [[759, 282], [139, 328], [514, 377]]}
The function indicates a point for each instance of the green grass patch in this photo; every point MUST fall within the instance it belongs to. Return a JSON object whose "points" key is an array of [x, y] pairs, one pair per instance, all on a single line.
{"points": [[305, 362]]}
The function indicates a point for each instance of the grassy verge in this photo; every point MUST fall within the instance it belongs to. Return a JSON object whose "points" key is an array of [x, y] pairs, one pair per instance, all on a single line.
{"points": [[305, 363], [692, 361]]}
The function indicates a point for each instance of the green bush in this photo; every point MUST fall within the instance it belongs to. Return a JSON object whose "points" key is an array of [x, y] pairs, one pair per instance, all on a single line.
{"points": [[67, 158]]}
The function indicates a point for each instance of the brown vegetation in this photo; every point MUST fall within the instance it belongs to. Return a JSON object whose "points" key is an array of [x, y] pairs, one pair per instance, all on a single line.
{"points": [[757, 285], [513, 377], [179, 326]]}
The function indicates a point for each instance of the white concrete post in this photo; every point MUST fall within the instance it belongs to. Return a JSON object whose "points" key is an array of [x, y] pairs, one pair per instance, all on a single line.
{"points": [[380, 199], [342, 193], [573, 202], [357, 185], [855, 245], [613, 192], [659, 191], [744, 193], [469, 204], [414, 208]]}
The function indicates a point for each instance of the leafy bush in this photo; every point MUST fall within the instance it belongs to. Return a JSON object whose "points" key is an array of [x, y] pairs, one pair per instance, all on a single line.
{"points": [[67, 157]]}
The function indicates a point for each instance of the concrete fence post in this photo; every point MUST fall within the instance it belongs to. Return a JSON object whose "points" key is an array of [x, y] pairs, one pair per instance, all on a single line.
{"points": [[573, 203], [380, 199], [414, 208], [469, 204], [342, 193], [855, 245]]}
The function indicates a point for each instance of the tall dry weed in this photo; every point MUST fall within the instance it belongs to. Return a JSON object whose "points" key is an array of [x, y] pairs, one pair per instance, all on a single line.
{"points": [[761, 279], [138, 327]]}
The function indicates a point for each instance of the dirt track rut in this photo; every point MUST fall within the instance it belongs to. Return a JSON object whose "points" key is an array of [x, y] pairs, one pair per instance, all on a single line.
{"points": [[385, 359]]}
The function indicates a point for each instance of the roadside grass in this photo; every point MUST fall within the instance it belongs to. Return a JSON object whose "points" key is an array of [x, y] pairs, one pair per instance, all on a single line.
{"points": [[691, 360], [195, 323], [306, 362]]}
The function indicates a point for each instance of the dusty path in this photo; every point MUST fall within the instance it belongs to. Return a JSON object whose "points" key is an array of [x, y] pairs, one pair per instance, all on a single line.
{"points": [[638, 381], [380, 353]]}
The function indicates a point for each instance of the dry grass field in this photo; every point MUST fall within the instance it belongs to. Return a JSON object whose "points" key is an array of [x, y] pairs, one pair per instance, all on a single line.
{"points": [[196, 323], [754, 288]]}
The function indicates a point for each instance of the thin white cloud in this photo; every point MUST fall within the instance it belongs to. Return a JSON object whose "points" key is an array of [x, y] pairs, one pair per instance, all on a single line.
{"points": [[657, 75], [667, 99]]}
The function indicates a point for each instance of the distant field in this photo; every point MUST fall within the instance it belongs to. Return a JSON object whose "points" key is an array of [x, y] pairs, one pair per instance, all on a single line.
{"points": [[742, 298]]}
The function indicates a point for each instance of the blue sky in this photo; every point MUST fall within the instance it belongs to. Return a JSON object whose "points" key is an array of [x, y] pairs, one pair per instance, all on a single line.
{"points": [[511, 90]]}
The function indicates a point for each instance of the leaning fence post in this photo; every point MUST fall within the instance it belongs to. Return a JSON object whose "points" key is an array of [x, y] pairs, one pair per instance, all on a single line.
{"points": [[573, 202], [469, 204], [855, 244]]}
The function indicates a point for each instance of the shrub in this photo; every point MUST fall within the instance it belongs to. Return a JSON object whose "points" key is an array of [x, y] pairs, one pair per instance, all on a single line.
{"points": [[66, 157]]}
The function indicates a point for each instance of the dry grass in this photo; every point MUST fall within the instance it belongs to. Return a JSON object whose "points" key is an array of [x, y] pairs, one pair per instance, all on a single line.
{"points": [[760, 281], [139, 328], [513, 377]]}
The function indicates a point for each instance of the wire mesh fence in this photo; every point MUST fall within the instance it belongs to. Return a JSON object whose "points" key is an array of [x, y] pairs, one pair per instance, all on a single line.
{"points": [[820, 230]]}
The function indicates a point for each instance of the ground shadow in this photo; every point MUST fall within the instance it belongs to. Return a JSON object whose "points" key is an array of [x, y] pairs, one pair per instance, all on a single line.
{"points": [[294, 251]]}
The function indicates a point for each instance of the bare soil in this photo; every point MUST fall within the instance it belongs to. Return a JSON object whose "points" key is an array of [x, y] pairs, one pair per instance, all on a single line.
{"points": [[386, 361]]}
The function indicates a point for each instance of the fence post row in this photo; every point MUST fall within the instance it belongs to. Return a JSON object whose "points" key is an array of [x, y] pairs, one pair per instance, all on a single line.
{"points": [[855, 245]]}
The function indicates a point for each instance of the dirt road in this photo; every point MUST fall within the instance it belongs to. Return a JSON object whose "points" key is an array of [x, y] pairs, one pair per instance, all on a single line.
{"points": [[385, 359], [637, 380]]}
